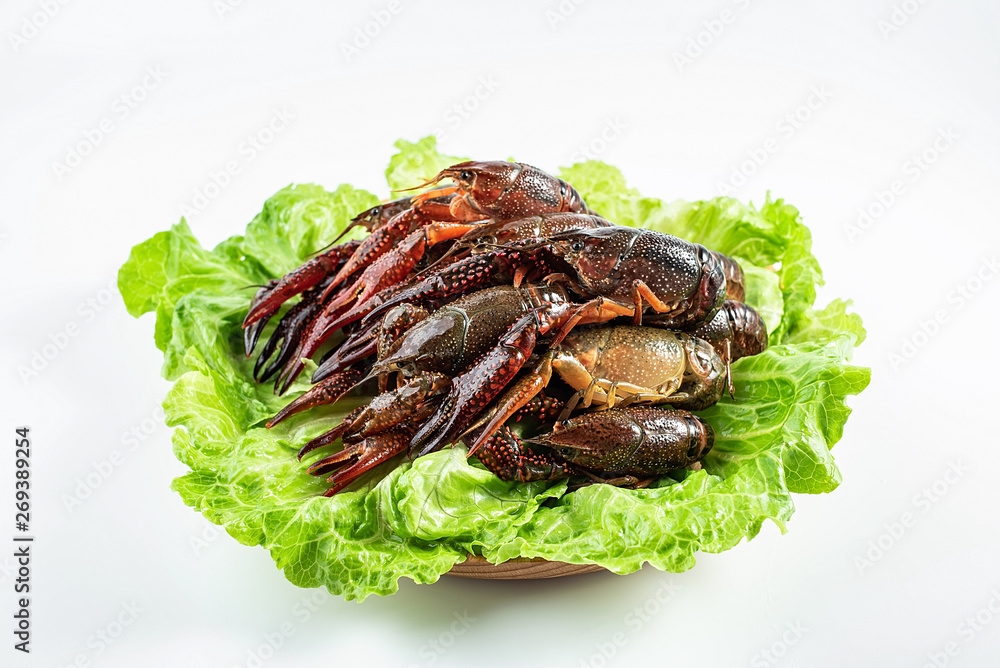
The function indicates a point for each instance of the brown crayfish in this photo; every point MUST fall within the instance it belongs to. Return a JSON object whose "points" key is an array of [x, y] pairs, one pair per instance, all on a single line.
{"points": [[504, 297]]}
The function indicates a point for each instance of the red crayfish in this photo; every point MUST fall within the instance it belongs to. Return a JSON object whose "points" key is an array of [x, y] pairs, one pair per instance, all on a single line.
{"points": [[526, 285]]}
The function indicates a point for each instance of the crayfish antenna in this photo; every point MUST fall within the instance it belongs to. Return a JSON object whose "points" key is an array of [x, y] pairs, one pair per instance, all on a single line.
{"points": [[431, 194], [435, 179], [329, 245]]}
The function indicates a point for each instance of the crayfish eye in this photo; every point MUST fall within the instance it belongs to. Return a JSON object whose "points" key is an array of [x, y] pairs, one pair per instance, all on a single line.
{"points": [[577, 246], [465, 175]]}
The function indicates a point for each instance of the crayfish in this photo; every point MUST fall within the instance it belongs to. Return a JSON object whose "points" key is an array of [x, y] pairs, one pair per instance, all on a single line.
{"points": [[504, 298]]}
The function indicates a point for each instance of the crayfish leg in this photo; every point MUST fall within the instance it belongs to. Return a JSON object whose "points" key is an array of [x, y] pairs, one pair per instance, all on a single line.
{"points": [[727, 359], [625, 481], [512, 401], [597, 310], [472, 391], [642, 293], [504, 455], [457, 278]]}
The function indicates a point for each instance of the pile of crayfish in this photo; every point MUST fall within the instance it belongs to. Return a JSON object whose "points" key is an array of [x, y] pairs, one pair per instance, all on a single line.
{"points": [[501, 307]]}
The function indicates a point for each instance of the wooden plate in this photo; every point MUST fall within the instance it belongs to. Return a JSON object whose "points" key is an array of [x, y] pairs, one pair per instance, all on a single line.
{"points": [[518, 569]]}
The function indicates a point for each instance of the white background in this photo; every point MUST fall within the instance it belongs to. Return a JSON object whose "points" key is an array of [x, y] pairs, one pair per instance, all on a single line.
{"points": [[559, 80]]}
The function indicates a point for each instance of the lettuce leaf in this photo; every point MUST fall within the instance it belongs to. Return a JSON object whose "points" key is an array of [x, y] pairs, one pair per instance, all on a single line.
{"points": [[416, 163], [771, 236], [417, 519]]}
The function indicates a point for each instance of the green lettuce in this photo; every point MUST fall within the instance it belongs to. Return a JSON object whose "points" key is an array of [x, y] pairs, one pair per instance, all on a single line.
{"points": [[417, 519]]}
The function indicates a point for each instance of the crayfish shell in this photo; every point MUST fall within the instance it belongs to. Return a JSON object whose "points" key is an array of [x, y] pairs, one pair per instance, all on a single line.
{"points": [[478, 568]]}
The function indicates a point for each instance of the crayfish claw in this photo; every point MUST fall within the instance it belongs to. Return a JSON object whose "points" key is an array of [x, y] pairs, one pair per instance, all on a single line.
{"points": [[252, 332], [431, 436], [472, 391], [368, 454], [330, 391], [350, 352], [331, 436], [262, 370], [289, 333], [314, 272], [307, 340], [334, 461], [251, 335]]}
